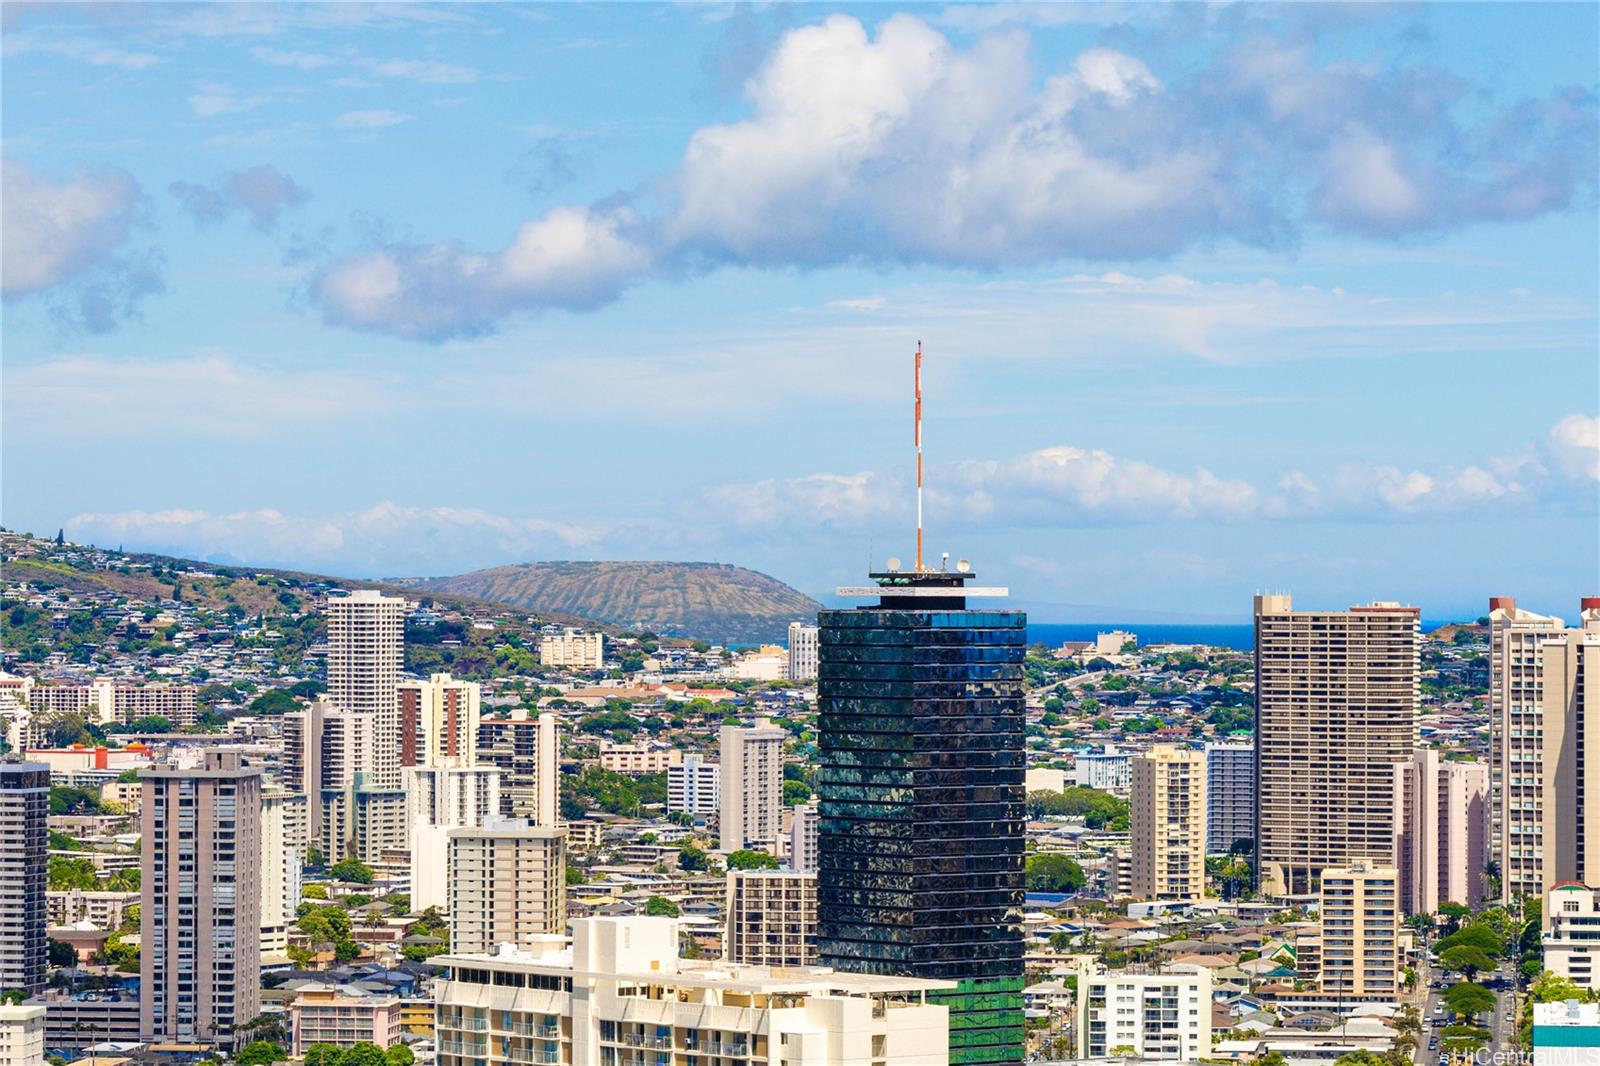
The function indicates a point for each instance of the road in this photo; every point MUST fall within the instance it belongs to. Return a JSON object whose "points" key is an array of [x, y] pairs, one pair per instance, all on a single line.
{"points": [[1502, 1028]]}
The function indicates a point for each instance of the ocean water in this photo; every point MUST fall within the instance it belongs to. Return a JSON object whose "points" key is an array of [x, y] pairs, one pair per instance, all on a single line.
{"points": [[1240, 637]]}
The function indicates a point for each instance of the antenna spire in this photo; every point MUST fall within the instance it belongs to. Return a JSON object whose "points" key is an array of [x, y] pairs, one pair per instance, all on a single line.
{"points": [[918, 439]]}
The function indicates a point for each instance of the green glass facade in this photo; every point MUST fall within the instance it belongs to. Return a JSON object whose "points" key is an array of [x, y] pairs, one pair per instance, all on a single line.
{"points": [[922, 805]]}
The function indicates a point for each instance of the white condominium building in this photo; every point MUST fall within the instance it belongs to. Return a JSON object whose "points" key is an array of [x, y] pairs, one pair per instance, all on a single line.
{"points": [[620, 995], [1167, 830], [438, 800], [1571, 938], [772, 918], [366, 654], [802, 664], [21, 1034], [283, 854], [1544, 735], [1106, 769], [693, 786], [439, 721], [804, 832], [1158, 1016], [752, 786], [573, 650], [104, 701], [1336, 708], [635, 759]]}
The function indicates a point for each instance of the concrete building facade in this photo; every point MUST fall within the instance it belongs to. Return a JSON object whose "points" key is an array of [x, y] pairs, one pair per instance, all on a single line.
{"points": [[200, 901], [438, 800], [1160, 1016], [1544, 740], [527, 751], [772, 918], [1167, 824], [507, 884], [1441, 831], [804, 829], [694, 786], [751, 788], [439, 721], [366, 654], [1336, 708], [1230, 795], [283, 853], [21, 1034], [573, 650], [802, 664], [1360, 916]]}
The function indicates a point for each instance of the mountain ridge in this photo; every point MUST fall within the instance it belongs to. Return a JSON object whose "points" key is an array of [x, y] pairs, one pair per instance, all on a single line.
{"points": [[715, 601]]}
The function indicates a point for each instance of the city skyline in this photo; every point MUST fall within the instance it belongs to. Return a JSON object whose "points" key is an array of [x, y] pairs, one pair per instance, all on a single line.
{"points": [[1237, 299]]}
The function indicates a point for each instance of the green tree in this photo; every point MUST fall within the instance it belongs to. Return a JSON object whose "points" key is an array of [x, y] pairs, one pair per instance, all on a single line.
{"points": [[1466, 959], [353, 870], [1467, 999], [1054, 873], [399, 1055], [692, 858], [660, 907], [364, 1054], [745, 859], [261, 1053], [63, 874], [62, 955], [324, 1055]]}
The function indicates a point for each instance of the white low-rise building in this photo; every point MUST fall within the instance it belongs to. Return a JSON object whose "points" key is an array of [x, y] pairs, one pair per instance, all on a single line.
{"points": [[1572, 933], [618, 993], [1159, 1016]]}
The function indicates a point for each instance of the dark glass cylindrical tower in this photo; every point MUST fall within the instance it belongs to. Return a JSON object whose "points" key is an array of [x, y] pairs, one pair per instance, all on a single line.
{"points": [[922, 800]]}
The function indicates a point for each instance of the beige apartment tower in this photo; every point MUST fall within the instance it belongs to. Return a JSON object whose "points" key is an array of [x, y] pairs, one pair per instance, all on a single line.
{"points": [[200, 901], [526, 749], [1336, 709], [1441, 831], [1360, 915], [366, 653], [751, 791], [772, 918], [507, 885], [1167, 830], [1544, 738], [439, 721]]}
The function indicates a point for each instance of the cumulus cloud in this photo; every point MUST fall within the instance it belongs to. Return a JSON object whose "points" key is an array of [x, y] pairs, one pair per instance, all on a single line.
{"points": [[213, 99], [71, 239], [900, 146], [1064, 486], [386, 538], [375, 119], [262, 192]]}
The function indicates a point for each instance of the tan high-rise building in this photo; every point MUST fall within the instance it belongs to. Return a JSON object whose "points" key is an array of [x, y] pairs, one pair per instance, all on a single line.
{"points": [[283, 853], [751, 790], [366, 653], [772, 918], [439, 721], [507, 885], [1167, 827], [325, 753], [527, 751], [573, 650], [1544, 735], [1336, 708], [1360, 914], [200, 901], [439, 799], [1441, 831]]}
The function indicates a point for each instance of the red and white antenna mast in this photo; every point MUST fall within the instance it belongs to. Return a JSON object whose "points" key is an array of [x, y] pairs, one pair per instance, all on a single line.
{"points": [[918, 439]]}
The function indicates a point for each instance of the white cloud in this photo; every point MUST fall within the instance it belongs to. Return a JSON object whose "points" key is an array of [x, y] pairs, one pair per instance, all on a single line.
{"points": [[212, 99], [1574, 445], [299, 60], [897, 145], [377, 119], [427, 71], [56, 229], [262, 192], [386, 538], [95, 53]]}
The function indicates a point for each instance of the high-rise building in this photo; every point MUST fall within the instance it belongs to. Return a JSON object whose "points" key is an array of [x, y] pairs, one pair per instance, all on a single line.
{"points": [[1571, 938], [693, 786], [527, 751], [283, 853], [1360, 915], [1544, 736], [921, 787], [803, 831], [772, 918], [751, 791], [1159, 1015], [200, 901], [439, 799], [1336, 708], [802, 665], [573, 650], [1441, 831], [24, 833], [620, 994], [507, 884], [21, 1034], [1167, 827], [439, 721], [366, 653], [1230, 796], [325, 750]]}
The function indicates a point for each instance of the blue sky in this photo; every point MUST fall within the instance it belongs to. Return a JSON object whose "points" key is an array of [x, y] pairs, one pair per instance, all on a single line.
{"points": [[1214, 298]]}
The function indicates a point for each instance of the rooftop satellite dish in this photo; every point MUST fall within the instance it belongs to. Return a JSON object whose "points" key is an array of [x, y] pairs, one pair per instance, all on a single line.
{"points": [[963, 566], [893, 564]]}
